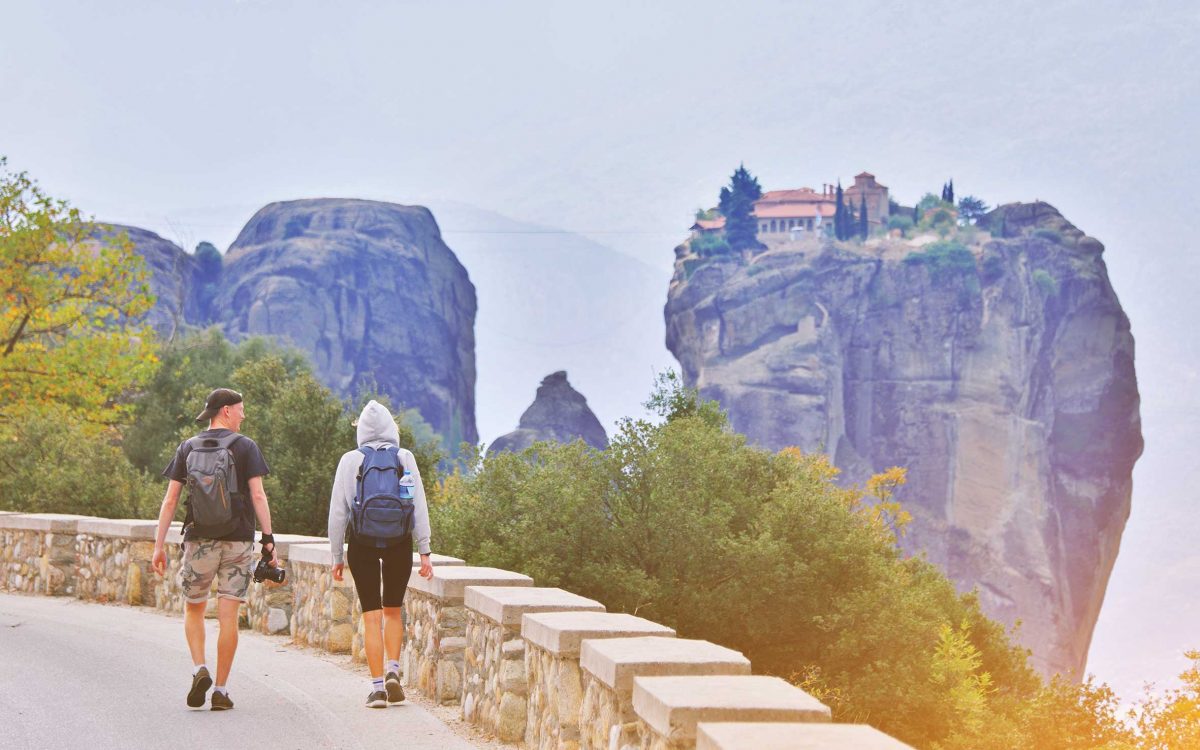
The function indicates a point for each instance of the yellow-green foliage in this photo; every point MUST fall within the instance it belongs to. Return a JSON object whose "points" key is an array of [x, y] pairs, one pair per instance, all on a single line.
{"points": [[69, 292]]}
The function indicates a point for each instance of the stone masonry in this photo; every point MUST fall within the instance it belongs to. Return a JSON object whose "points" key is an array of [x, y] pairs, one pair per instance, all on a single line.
{"points": [[609, 665], [553, 641], [436, 627], [540, 665], [495, 688]]}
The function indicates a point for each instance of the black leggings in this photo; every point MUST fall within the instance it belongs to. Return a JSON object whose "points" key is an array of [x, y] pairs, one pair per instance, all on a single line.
{"points": [[365, 564]]}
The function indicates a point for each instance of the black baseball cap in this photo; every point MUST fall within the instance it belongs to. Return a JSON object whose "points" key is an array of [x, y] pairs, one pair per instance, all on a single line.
{"points": [[217, 400]]}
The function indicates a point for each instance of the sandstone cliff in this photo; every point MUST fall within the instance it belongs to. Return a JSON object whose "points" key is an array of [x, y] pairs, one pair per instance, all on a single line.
{"points": [[371, 292], [1000, 374], [558, 412]]}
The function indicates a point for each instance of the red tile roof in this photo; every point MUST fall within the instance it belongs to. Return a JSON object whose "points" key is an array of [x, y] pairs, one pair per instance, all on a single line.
{"points": [[710, 224]]}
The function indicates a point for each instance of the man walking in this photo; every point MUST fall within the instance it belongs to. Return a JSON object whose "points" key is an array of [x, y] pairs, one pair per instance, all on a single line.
{"points": [[223, 471]]}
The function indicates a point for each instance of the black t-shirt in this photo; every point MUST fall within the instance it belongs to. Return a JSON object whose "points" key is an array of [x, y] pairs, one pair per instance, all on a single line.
{"points": [[249, 462]]}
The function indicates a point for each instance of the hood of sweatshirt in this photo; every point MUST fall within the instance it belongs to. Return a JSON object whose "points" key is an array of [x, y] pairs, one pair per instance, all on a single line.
{"points": [[375, 425]]}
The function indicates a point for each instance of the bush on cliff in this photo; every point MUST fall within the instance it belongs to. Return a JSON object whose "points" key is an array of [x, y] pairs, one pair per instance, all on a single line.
{"points": [[683, 522]]}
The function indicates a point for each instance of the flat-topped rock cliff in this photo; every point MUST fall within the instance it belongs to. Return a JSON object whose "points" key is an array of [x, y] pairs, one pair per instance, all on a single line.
{"points": [[371, 292], [558, 412], [997, 368]]}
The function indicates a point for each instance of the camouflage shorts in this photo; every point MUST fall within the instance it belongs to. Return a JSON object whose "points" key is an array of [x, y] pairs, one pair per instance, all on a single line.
{"points": [[228, 562]]}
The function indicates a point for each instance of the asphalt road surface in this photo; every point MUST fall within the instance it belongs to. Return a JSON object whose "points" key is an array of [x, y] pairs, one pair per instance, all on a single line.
{"points": [[79, 675]]}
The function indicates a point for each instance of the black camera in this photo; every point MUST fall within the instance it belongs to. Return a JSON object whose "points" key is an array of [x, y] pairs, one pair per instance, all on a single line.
{"points": [[265, 571]]}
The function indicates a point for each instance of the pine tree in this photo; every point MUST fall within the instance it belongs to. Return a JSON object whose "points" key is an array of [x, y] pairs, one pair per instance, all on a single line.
{"points": [[839, 215], [862, 217], [737, 206]]}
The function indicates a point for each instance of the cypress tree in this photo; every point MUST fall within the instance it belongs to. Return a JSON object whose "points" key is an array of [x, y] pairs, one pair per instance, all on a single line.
{"points": [[839, 215], [737, 206], [862, 217], [950, 192]]}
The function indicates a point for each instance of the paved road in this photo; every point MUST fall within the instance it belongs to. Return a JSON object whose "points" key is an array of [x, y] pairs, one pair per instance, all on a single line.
{"points": [[78, 675]]}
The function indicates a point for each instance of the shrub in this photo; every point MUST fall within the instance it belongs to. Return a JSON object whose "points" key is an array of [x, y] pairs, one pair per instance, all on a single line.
{"points": [[901, 222], [1045, 283], [1049, 235], [945, 260], [708, 245], [993, 268]]}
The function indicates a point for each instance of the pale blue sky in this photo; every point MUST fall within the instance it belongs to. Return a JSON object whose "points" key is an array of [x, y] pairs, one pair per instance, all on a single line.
{"points": [[617, 120]]}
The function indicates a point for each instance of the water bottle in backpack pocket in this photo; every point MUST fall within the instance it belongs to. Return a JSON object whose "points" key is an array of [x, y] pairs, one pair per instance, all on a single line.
{"points": [[212, 483], [383, 500]]}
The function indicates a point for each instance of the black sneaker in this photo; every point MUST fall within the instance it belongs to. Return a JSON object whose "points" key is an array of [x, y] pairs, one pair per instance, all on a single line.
{"points": [[201, 682], [377, 699], [221, 701], [395, 693]]}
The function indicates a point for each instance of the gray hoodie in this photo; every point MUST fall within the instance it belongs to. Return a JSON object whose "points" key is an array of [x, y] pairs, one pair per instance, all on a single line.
{"points": [[376, 428]]}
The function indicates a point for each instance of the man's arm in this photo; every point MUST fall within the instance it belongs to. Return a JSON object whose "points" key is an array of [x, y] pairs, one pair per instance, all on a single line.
{"points": [[165, 514], [258, 496]]}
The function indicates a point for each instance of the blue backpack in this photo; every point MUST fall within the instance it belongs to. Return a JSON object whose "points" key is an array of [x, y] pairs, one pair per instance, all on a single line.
{"points": [[382, 515]]}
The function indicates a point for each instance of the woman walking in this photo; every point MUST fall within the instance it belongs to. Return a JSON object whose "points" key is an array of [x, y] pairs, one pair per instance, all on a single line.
{"points": [[378, 501]]}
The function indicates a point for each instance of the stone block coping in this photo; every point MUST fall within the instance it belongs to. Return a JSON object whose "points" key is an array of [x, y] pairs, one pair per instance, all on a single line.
{"points": [[507, 604], [788, 736], [616, 661], [58, 523], [121, 528], [450, 582], [562, 633], [672, 706], [316, 551]]}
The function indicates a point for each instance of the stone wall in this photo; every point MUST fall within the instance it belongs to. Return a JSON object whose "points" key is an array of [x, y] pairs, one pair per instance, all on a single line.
{"points": [[38, 552], [538, 667]]}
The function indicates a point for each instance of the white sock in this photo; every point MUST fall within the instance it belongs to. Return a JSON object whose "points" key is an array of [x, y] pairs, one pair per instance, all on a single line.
{"points": [[196, 669], [376, 684], [221, 689], [393, 666]]}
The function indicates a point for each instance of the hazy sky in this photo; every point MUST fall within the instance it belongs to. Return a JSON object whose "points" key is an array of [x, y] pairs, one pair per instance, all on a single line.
{"points": [[616, 120]]}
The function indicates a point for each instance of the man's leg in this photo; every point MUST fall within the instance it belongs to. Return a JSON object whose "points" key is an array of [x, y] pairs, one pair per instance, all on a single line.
{"points": [[227, 641], [193, 628]]}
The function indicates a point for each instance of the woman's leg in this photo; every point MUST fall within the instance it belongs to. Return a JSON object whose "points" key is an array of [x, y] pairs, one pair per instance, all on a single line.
{"points": [[364, 565], [397, 569], [373, 641]]}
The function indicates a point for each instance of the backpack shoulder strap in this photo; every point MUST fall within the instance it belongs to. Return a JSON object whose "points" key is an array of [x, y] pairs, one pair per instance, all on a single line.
{"points": [[229, 440]]}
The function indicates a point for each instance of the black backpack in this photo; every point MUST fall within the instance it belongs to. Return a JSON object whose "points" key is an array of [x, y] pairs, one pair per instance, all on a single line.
{"points": [[212, 486]]}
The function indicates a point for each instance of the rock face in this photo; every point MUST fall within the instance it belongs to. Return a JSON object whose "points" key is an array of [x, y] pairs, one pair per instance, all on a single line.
{"points": [[558, 412], [1001, 375], [172, 279], [371, 292]]}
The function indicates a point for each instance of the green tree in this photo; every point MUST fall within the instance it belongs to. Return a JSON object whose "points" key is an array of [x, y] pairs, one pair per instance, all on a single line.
{"points": [[210, 263], [737, 206], [188, 369], [54, 462], [803, 576], [863, 225], [71, 293], [839, 213], [970, 209]]}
